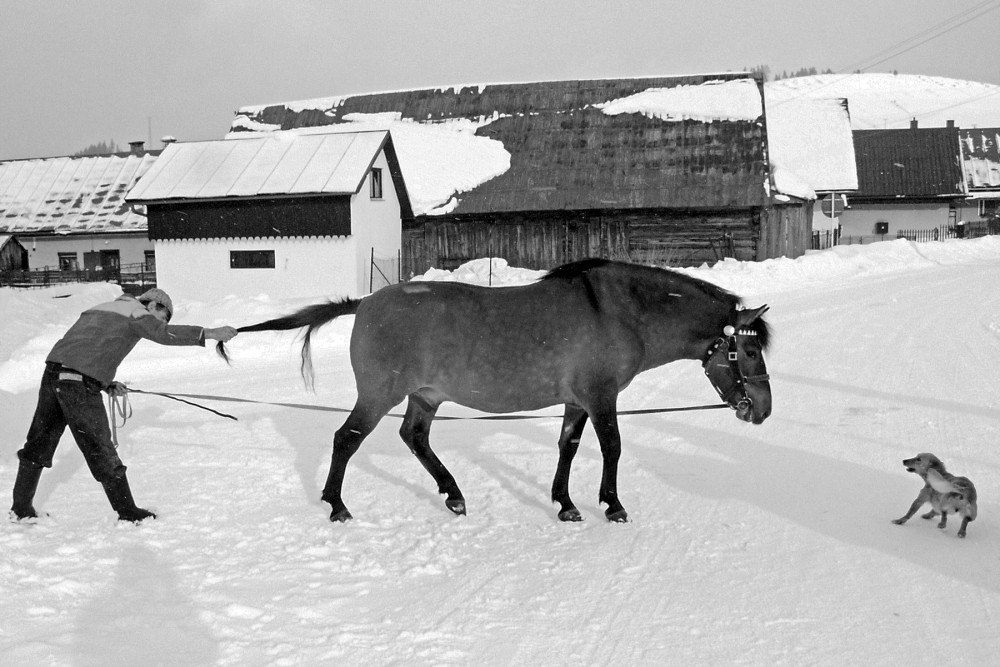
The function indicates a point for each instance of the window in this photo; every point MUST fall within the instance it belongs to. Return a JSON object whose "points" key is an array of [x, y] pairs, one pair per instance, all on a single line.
{"points": [[251, 259], [150, 260], [376, 183], [68, 262], [989, 207]]}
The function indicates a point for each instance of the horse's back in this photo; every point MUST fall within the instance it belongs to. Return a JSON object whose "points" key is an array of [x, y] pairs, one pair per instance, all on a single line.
{"points": [[497, 349]]}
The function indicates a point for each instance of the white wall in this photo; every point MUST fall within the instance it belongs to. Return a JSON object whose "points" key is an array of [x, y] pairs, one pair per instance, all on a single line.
{"points": [[44, 250], [198, 269], [859, 220], [375, 223]]}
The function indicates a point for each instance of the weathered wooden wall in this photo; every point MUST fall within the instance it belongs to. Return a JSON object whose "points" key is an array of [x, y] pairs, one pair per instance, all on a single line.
{"points": [[785, 231], [664, 238]]}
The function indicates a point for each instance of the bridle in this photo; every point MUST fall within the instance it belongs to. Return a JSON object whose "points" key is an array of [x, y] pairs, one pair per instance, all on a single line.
{"points": [[736, 395]]}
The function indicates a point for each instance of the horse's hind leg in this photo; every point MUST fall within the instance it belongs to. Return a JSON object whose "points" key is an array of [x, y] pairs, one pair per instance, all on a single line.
{"points": [[574, 419], [360, 423], [604, 416], [415, 432]]}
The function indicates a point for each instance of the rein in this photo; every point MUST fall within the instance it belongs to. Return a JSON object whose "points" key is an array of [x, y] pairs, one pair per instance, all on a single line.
{"points": [[728, 341], [326, 408]]}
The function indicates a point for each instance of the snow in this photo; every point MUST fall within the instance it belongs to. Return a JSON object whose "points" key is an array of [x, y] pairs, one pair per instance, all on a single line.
{"points": [[765, 544], [439, 161], [713, 100], [879, 101]]}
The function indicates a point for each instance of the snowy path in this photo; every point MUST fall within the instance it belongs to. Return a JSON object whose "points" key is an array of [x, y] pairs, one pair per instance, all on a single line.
{"points": [[748, 545]]}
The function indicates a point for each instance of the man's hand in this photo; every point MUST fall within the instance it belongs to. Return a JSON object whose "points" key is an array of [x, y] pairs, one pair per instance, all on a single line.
{"points": [[116, 389], [222, 333]]}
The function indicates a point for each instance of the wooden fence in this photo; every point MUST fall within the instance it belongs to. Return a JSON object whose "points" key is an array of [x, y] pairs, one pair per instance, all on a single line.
{"points": [[132, 278]]}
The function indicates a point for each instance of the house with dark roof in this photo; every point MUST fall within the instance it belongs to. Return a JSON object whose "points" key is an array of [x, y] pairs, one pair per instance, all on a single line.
{"points": [[71, 213], [908, 179], [666, 170], [290, 214]]}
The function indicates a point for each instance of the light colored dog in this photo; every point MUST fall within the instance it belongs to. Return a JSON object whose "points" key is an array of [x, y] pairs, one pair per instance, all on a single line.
{"points": [[944, 491]]}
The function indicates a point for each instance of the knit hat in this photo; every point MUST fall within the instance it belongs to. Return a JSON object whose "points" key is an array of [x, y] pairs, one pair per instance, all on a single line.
{"points": [[156, 295]]}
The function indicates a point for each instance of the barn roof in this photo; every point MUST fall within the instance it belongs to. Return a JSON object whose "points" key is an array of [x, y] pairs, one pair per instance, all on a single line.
{"points": [[916, 162], [981, 160], [70, 195], [262, 165], [672, 142]]}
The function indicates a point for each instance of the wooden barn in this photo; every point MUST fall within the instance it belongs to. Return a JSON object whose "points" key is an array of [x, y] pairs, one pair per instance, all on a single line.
{"points": [[665, 170], [290, 214], [13, 255]]}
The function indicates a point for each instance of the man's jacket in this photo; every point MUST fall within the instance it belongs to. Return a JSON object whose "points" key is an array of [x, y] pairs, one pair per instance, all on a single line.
{"points": [[105, 334]]}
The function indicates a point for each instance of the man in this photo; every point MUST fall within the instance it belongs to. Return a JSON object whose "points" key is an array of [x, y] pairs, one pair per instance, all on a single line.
{"points": [[82, 364]]}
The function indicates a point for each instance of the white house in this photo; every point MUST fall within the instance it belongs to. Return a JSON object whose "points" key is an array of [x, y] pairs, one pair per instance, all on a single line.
{"points": [[304, 213], [70, 212]]}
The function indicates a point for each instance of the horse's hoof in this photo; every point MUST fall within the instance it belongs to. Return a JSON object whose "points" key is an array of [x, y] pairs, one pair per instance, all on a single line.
{"points": [[618, 516], [340, 516], [570, 515], [456, 506]]}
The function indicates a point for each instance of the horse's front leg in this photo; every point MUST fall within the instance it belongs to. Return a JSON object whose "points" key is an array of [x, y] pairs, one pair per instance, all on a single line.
{"points": [[605, 419], [574, 419]]}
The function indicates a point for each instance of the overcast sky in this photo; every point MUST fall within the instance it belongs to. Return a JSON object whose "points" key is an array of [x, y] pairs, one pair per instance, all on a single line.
{"points": [[73, 73]]}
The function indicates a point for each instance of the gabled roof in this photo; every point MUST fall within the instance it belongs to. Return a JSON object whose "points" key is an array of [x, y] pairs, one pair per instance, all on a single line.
{"points": [[663, 142], [917, 162], [284, 163], [70, 195], [981, 159]]}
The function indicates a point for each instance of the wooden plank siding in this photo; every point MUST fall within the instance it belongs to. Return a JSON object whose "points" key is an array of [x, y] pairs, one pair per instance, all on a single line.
{"points": [[660, 237]]}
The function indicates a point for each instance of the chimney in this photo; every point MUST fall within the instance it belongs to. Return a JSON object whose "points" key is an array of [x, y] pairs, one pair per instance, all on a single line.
{"points": [[167, 140], [950, 124], [136, 148], [913, 124]]}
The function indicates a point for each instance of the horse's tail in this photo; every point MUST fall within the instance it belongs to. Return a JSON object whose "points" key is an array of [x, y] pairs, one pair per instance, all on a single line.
{"points": [[311, 317]]}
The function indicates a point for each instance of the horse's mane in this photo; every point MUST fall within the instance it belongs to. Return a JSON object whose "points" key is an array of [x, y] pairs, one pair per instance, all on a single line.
{"points": [[577, 269]]}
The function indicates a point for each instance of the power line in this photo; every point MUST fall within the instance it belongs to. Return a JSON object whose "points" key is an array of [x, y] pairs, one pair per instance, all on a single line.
{"points": [[979, 10]]}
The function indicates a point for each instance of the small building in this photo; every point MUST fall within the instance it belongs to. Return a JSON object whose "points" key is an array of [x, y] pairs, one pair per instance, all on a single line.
{"points": [[289, 214], [810, 140], [71, 214], [13, 255], [664, 170], [908, 180]]}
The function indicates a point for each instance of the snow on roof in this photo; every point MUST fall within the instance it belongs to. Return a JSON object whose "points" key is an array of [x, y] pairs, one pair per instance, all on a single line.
{"points": [[66, 195], [712, 100], [438, 161], [885, 101], [811, 138], [279, 163]]}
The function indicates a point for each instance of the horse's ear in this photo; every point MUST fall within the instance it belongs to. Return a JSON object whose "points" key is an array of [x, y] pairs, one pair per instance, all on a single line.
{"points": [[745, 318]]}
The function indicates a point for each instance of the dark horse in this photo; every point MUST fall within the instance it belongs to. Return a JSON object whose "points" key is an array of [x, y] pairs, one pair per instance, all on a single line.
{"points": [[578, 337]]}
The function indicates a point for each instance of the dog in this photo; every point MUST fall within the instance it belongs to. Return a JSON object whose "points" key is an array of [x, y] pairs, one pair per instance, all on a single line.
{"points": [[944, 491]]}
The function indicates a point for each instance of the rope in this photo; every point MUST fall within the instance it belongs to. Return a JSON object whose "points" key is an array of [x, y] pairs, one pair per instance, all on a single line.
{"points": [[325, 408], [118, 406]]}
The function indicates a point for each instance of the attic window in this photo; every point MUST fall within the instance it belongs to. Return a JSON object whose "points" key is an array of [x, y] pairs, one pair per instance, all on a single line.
{"points": [[251, 259], [376, 183]]}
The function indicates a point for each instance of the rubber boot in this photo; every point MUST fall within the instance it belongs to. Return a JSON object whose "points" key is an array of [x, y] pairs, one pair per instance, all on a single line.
{"points": [[24, 491], [120, 496]]}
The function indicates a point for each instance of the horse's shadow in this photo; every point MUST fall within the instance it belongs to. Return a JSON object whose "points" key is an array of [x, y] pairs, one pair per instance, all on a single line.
{"points": [[850, 503]]}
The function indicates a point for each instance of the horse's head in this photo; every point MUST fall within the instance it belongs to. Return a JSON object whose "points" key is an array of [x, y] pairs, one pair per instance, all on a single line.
{"points": [[735, 365]]}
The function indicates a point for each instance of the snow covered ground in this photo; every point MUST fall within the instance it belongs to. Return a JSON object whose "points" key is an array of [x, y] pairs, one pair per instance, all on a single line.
{"points": [[760, 545]]}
